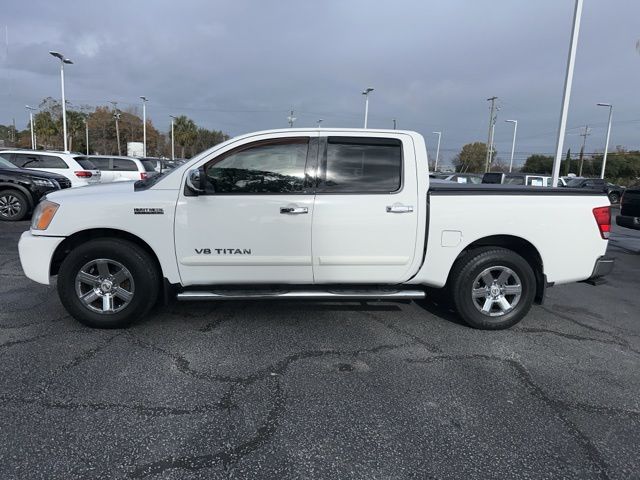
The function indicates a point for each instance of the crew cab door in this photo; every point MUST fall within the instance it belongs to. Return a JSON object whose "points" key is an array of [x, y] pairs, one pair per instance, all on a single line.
{"points": [[252, 222], [366, 210]]}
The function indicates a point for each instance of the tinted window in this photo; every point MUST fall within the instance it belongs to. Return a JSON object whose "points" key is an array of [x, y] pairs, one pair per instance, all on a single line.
{"points": [[28, 160], [267, 167], [576, 182], [148, 165], [98, 163], [86, 164], [365, 165], [125, 165], [514, 180]]}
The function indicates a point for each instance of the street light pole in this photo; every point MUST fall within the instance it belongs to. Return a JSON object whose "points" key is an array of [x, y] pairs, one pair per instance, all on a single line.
{"points": [[33, 138], [116, 115], [513, 143], [63, 60], [86, 132], [144, 126], [366, 93], [173, 150], [435, 167], [606, 145], [577, 14]]}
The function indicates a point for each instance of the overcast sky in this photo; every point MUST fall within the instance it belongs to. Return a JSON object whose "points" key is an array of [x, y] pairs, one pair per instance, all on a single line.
{"points": [[240, 65]]}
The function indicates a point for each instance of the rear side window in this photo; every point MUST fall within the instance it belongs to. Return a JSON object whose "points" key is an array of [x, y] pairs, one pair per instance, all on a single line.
{"points": [[361, 165], [124, 165], [86, 164]]}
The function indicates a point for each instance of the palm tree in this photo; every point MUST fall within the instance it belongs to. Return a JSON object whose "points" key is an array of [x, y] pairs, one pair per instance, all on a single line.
{"points": [[185, 132]]}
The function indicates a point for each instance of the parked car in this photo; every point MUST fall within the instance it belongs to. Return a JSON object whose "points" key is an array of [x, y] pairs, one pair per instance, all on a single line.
{"points": [[119, 169], [79, 172], [338, 214], [614, 192], [465, 178], [630, 208], [22, 189]]}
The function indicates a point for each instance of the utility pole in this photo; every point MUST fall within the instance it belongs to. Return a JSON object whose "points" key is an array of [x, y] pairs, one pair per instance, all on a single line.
{"points": [[492, 122], [173, 143], [513, 142], [116, 115], [435, 166], [584, 136], [291, 118]]}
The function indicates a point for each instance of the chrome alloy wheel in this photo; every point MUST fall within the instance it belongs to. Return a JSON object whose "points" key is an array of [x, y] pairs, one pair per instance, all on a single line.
{"points": [[104, 286], [496, 291], [9, 205]]}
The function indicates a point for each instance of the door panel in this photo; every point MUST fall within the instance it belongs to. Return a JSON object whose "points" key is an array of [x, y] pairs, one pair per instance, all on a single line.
{"points": [[360, 236], [253, 224]]}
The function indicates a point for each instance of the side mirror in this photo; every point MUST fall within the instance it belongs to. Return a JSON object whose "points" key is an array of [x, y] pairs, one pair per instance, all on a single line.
{"points": [[196, 181]]}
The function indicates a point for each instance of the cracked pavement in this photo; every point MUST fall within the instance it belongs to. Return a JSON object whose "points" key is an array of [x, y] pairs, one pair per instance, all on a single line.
{"points": [[292, 390]]}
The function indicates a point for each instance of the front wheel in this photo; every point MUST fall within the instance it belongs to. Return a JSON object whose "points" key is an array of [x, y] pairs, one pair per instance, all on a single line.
{"points": [[492, 288], [14, 205], [108, 283]]}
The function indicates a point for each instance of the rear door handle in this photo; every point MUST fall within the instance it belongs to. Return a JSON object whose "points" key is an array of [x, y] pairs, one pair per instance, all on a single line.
{"points": [[398, 208], [293, 210]]}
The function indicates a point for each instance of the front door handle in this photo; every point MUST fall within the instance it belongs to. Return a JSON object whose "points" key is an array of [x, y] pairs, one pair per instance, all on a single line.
{"points": [[398, 208], [293, 210]]}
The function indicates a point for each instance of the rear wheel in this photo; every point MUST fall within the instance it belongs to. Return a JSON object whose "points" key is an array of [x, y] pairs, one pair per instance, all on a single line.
{"points": [[492, 288], [108, 283], [14, 205]]}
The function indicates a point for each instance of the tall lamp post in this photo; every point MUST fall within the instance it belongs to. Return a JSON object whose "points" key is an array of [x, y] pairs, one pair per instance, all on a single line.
{"points": [[33, 138], [571, 60], [86, 133], [366, 93], [63, 60], [606, 145], [435, 167], [144, 126], [173, 149], [513, 142]]}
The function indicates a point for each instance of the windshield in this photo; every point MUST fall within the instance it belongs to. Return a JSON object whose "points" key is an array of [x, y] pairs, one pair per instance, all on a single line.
{"points": [[6, 163]]}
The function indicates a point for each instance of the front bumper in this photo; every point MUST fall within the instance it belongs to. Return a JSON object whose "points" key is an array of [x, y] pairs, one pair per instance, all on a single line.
{"points": [[628, 221], [36, 252]]}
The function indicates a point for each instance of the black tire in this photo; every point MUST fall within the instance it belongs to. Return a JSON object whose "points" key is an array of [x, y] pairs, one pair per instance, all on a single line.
{"points": [[614, 197], [142, 278], [14, 205], [466, 276]]}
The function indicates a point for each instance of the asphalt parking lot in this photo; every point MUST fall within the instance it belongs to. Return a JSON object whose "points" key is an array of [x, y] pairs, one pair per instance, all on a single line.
{"points": [[304, 390]]}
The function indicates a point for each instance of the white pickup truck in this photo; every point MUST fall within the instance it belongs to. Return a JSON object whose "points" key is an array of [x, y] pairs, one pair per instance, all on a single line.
{"points": [[337, 214]]}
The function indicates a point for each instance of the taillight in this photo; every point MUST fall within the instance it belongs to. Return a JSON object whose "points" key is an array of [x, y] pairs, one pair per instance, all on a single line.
{"points": [[83, 174], [143, 175], [603, 219]]}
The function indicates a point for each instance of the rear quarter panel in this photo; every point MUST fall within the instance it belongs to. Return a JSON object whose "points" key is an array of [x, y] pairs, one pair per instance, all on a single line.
{"points": [[561, 228]]}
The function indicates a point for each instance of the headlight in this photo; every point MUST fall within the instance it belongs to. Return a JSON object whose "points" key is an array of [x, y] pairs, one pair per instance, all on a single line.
{"points": [[43, 182], [43, 214]]}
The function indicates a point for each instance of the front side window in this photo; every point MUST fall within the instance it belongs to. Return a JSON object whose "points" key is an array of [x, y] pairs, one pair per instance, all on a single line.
{"points": [[276, 166], [50, 161], [362, 165]]}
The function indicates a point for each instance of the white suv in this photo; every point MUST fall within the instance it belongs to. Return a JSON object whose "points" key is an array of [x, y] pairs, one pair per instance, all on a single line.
{"points": [[81, 172], [119, 169]]}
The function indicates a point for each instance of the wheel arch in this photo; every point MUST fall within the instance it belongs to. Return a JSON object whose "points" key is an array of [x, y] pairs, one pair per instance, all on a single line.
{"points": [[82, 236], [522, 247]]}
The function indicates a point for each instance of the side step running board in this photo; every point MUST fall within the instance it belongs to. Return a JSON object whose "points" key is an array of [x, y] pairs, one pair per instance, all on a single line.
{"points": [[303, 295]]}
